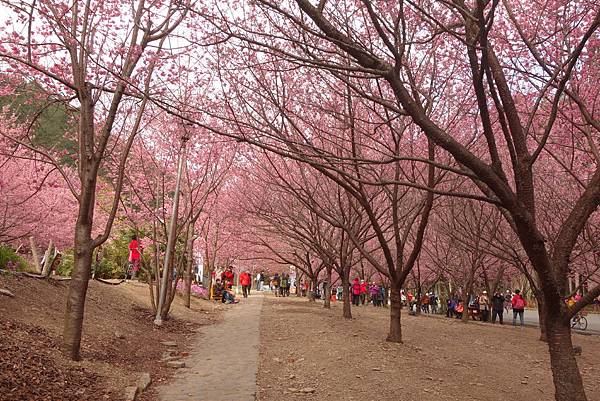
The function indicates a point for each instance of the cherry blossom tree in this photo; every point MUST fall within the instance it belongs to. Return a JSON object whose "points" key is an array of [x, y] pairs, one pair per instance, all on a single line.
{"points": [[35, 200], [509, 70], [98, 57]]}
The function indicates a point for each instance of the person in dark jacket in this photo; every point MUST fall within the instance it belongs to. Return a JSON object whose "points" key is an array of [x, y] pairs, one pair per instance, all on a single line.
{"points": [[497, 307]]}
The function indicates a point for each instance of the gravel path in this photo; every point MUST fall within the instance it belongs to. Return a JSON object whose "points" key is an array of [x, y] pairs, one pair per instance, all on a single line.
{"points": [[224, 364]]}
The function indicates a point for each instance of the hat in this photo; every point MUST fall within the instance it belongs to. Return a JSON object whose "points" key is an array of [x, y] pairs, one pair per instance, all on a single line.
{"points": [[484, 291]]}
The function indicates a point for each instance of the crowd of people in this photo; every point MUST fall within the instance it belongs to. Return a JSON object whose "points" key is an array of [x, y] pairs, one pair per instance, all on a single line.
{"points": [[281, 285], [365, 293], [479, 307]]}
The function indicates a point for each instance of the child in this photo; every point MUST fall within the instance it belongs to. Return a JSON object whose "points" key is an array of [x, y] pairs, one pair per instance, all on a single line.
{"points": [[458, 310]]}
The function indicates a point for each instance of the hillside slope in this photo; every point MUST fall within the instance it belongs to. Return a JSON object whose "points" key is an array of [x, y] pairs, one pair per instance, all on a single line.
{"points": [[119, 339]]}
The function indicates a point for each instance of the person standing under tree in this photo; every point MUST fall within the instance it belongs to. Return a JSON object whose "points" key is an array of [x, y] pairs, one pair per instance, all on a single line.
{"points": [[356, 292], [227, 277], [289, 285], [260, 277], [245, 281], [363, 292], [518, 306], [134, 255], [374, 293], [433, 303], [497, 307], [484, 303], [283, 285], [275, 283]]}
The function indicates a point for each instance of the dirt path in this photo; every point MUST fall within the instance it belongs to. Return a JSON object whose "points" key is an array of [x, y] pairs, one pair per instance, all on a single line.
{"points": [[309, 353], [223, 365]]}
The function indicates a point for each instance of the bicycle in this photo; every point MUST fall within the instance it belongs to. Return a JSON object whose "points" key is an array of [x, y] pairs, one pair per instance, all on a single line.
{"points": [[579, 322]]}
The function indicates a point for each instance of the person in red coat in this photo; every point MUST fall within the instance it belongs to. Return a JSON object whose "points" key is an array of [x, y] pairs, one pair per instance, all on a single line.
{"points": [[356, 292], [363, 291], [518, 307], [134, 255], [227, 277], [245, 282]]}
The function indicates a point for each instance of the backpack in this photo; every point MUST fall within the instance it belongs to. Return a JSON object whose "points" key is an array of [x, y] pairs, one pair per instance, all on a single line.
{"points": [[519, 303]]}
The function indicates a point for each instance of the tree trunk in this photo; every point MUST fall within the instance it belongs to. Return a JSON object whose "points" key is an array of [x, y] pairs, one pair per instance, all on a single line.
{"points": [[313, 289], [542, 319], [151, 289], [170, 297], [347, 310], [47, 257], [327, 290], [73, 324], [171, 241], [34, 254], [188, 272], [155, 288], [298, 281], [395, 334], [565, 373]]}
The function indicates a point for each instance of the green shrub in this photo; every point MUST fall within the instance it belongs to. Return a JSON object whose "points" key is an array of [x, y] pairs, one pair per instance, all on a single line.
{"points": [[113, 260], [66, 263], [7, 253]]}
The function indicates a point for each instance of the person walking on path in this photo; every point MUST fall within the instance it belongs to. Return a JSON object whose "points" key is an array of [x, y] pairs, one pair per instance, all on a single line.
{"points": [[411, 300], [518, 306], [459, 309], [260, 277], [484, 305], [451, 304], [384, 292], [497, 307], [288, 287], [363, 292], [283, 285], [374, 292], [507, 301], [433, 303], [245, 281], [356, 292], [134, 255], [276, 282], [425, 303]]}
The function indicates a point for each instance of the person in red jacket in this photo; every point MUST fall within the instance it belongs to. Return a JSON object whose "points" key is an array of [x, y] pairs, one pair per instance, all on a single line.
{"points": [[518, 307], [245, 281], [134, 255], [227, 277], [363, 291], [356, 292]]}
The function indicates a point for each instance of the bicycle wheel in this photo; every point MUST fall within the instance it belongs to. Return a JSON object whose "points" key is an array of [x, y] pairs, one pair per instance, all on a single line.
{"points": [[582, 323], [574, 322]]}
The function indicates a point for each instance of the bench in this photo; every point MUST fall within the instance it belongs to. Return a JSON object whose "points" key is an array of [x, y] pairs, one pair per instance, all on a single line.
{"points": [[213, 297]]}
